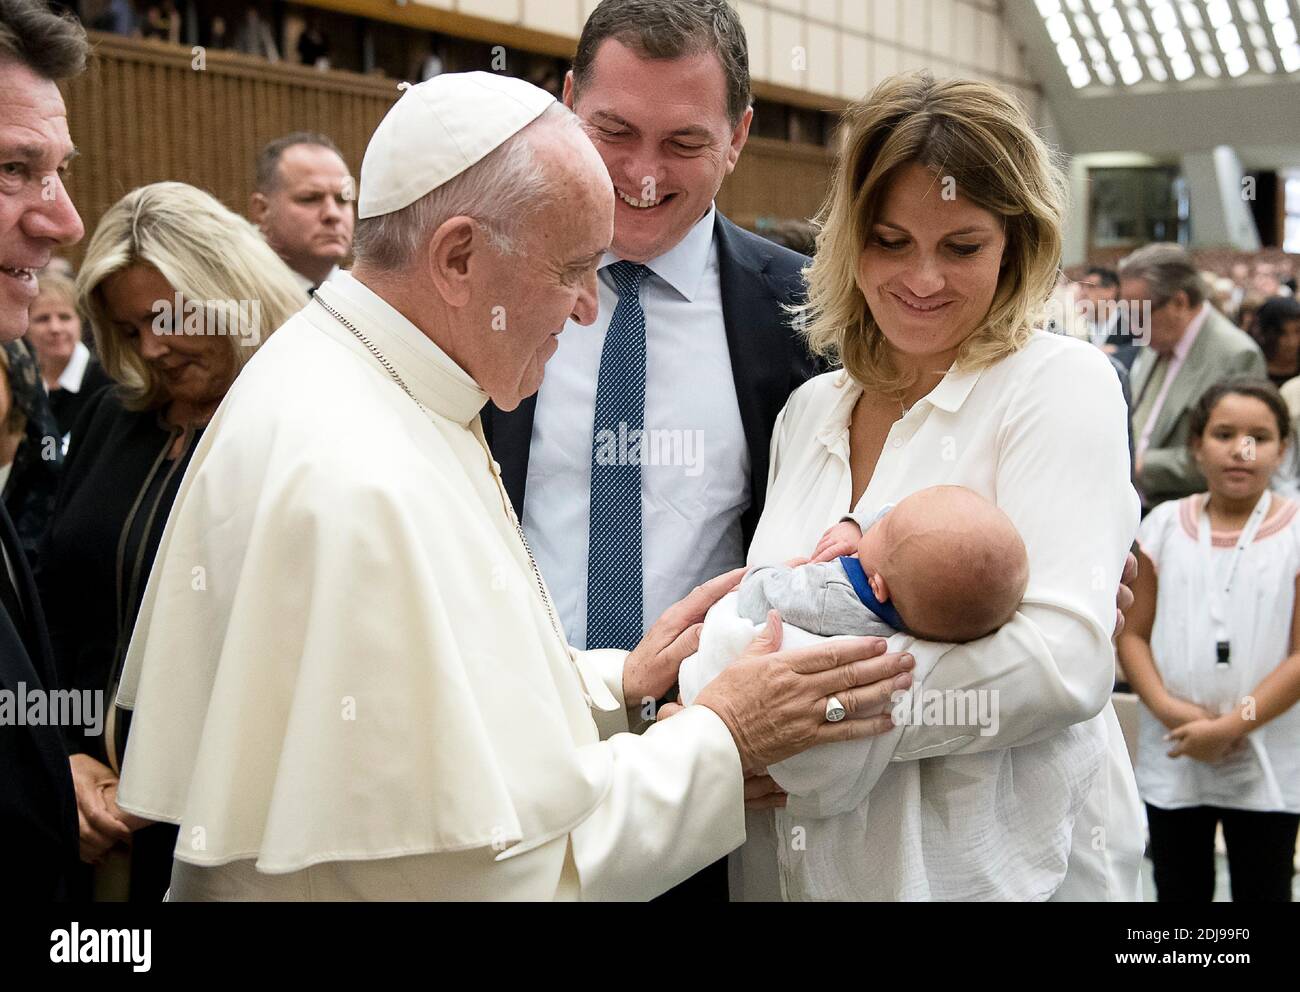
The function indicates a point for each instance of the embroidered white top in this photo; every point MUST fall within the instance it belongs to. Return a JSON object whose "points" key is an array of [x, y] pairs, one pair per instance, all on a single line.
{"points": [[1258, 610]]}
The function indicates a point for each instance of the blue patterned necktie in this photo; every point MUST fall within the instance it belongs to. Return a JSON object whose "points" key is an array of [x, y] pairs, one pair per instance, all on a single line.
{"points": [[614, 591]]}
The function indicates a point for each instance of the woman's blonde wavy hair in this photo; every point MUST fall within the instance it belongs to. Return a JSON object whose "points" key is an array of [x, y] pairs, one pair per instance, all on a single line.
{"points": [[984, 140], [204, 251]]}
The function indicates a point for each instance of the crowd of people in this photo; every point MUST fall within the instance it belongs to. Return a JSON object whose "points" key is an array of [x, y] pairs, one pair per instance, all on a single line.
{"points": [[141, 449]]}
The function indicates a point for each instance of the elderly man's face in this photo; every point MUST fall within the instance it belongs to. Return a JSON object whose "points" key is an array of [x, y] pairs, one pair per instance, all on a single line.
{"points": [[36, 214], [308, 217], [524, 300], [1169, 317], [661, 127]]}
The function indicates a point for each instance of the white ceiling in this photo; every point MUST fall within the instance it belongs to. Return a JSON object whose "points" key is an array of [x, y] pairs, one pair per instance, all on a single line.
{"points": [[1116, 82]]}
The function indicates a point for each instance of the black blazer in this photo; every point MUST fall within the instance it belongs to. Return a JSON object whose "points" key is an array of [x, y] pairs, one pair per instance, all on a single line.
{"points": [[768, 360], [38, 808]]}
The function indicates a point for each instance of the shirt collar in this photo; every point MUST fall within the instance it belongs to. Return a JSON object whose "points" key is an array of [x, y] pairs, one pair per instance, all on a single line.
{"points": [[307, 285], [948, 396], [75, 371], [428, 371], [952, 390], [682, 266]]}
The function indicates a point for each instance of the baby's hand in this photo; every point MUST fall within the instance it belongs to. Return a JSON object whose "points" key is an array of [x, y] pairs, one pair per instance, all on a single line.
{"points": [[840, 540]]}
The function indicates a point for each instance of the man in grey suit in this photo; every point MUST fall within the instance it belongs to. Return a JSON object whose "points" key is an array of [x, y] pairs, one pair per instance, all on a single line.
{"points": [[1190, 347]]}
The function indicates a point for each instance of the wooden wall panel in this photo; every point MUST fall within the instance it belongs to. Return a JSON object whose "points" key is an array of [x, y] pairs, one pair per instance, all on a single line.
{"points": [[142, 114]]}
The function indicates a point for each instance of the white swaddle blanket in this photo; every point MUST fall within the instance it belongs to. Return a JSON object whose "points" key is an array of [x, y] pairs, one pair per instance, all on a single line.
{"points": [[992, 825]]}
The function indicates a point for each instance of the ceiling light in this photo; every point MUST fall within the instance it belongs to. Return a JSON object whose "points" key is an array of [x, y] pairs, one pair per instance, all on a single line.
{"points": [[1291, 58], [1248, 11], [1083, 25], [1100, 5], [1228, 38], [1164, 18], [1130, 71], [1284, 33], [1257, 36], [1201, 40], [1191, 14], [1173, 43], [1047, 7], [1111, 23], [1182, 66], [1147, 44], [1079, 75], [1264, 59], [1121, 48], [1069, 52], [1236, 62], [1210, 66], [1276, 10], [1104, 75], [1157, 70], [1058, 27], [1220, 13]]}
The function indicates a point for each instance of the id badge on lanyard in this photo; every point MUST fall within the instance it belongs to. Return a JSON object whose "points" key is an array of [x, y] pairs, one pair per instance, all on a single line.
{"points": [[1219, 586]]}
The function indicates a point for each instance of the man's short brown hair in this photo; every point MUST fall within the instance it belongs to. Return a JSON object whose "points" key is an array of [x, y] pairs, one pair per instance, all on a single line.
{"points": [[268, 159], [672, 29], [51, 45]]}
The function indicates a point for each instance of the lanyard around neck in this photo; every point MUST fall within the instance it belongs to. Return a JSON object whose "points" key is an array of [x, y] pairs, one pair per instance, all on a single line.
{"points": [[1220, 584]]}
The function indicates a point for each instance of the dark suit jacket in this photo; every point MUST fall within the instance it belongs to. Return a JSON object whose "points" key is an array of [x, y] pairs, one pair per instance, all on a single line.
{"points": [[768, 360], [38, 808]]}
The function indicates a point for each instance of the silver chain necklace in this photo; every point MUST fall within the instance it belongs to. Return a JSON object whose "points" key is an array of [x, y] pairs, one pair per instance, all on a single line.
{"points": [[514, 518]]}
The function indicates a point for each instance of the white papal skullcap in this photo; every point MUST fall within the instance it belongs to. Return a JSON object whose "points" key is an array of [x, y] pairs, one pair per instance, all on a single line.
{"points": [[439, 129]]}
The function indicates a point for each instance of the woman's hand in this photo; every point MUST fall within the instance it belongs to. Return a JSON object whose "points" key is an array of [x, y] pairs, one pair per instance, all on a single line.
{"points": [[1124, 597], [762, 792], [651, 668], [99, 829], [1205, 740]]}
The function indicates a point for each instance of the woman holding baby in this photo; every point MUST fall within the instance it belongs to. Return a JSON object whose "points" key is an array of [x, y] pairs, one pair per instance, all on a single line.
{"points": [[941, 243]]}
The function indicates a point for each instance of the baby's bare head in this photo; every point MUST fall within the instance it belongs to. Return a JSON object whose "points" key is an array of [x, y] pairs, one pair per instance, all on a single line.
{"points": [[954, 565]]}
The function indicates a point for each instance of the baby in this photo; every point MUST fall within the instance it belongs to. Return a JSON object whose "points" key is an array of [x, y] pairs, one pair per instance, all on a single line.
{"points": [[945, 564]]}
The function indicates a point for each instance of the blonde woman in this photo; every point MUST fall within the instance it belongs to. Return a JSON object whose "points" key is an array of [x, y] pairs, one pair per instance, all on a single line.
{"points": [[940, 246], [180, 293]]}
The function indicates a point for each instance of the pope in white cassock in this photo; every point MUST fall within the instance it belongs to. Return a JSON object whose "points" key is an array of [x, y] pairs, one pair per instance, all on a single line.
{"points": [[347, 680]]}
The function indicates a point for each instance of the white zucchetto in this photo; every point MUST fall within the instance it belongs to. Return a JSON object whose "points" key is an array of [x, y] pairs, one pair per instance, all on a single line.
{"points": [[437, 130]]}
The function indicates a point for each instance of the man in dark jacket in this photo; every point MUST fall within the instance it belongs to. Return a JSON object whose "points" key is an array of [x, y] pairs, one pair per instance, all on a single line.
{"points": [[38, 809]]}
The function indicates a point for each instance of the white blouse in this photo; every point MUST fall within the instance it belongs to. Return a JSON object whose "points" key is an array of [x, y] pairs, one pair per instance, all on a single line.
{"points": [[1042, 434], [1265, 776]]}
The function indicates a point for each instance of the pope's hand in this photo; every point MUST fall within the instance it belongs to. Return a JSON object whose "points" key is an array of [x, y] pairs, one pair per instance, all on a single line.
{"points": [[651, 668], [774, 701]]}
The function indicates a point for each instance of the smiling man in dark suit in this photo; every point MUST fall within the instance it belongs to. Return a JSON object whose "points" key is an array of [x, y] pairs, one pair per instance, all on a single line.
{"points": [[639, 470], [38, 809]]}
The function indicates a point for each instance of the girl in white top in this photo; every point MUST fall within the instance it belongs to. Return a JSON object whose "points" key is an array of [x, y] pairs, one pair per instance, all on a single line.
{"points": [[1213, 650]]}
